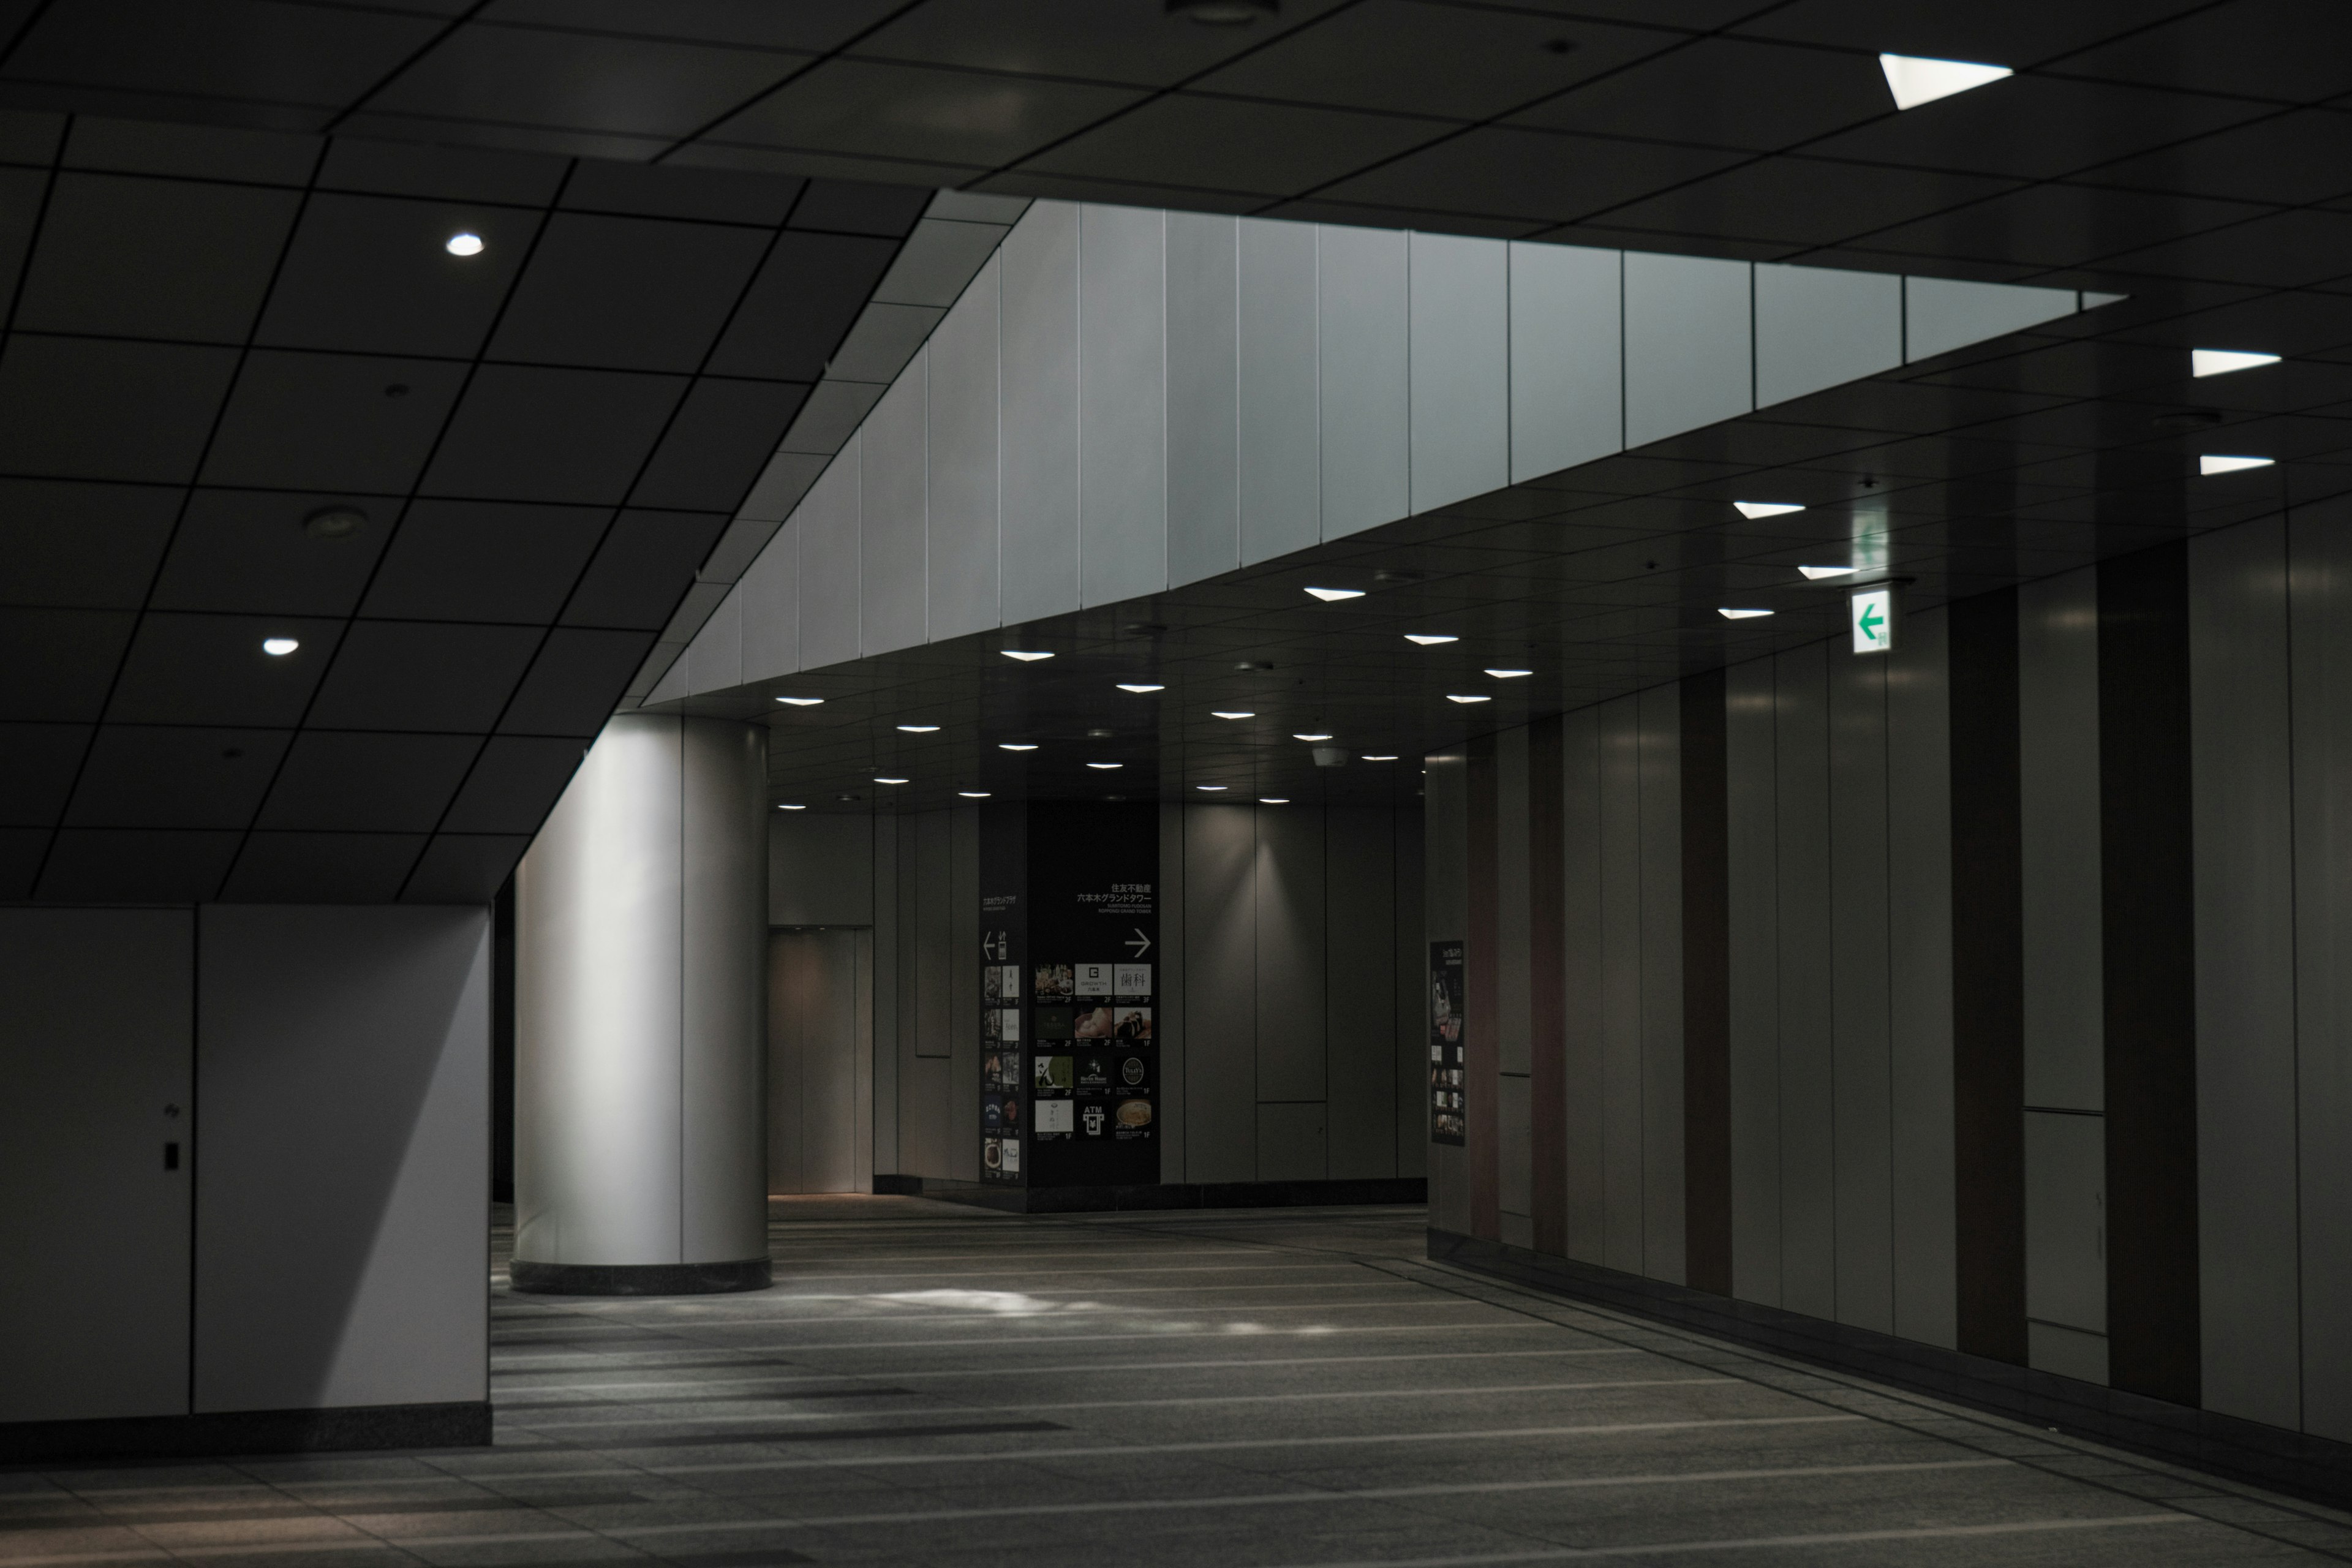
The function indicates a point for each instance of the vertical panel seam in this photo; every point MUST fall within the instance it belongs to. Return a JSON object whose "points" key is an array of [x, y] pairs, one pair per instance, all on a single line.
{"points": [[2295, 954]]}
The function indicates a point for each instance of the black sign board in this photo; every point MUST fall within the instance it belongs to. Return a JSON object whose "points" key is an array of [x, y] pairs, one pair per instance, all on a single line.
{"points": [[1448, 1072]]}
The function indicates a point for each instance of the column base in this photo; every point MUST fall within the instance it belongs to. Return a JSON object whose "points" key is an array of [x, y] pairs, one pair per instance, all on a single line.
{"points": [[638, 1278]]}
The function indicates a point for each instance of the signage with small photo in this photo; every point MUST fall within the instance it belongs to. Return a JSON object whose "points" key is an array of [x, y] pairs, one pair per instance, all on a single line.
{"points": [[1095, 1024], [1056, 1118], [1131, 1023], [1094, 979], [1053, 1075], [1053, 982], [1131, 980], [1134, 1116], [1447, 1025], [1091, 1118]]}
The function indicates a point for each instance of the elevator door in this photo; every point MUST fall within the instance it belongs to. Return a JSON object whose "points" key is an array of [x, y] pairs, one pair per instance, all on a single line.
{"points": [[820, 1060]]}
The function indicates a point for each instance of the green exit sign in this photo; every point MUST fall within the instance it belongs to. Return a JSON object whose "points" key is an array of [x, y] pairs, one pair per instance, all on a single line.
{"points": [[1871, 615]]}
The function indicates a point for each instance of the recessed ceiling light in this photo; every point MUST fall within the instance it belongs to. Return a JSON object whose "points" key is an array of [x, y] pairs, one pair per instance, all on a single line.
{"points": [[921, 728], [801, 702], [1104, 766], [1025, 655], [1224, 12], [1815, 573], [1379, 756], [1140, 687], [1313, 737], [1915, 81], [1752, 510], [1466, 697], [1211, 788], [973, 794], [464, 243], [879, 780], [334, 522], [1016, 745], [1330, 595], [1731, 615], [1274, 800], [2214, 463], [792, 808], [1428, 639], [2222, 361], [1230, 713], [1510, 673], [279, 647]]}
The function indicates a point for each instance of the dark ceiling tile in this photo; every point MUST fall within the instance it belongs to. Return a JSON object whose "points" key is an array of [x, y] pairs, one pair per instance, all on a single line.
{"points": [[92, 546], [643, 569], [909, 111], [1136, 41], [626, 293], [320, 56], [2011, 34], [440, 173], [2284, 50], [426, 676], [718, 443], [1802, 201], [59, 662], [136, 866], [484, 561], [802, 305], [331, 422], [714, 196], [175, 776], [372, 274], [527, 76], [322, 868], [1229, 144], [30, 137], [547, 141], [2063, 225], [859, 206], [20, 204], [186, 151], [82, 408], [334, 782], [250, 551], [211, 669], [575, 682], [2291, 159], [463, 869], [525, 433], [514, 784], [2034, 128], [803, 24], [1723, 92], [801, 163], [1529, 174], [37, 764], [1315, 209], [22, 849]]}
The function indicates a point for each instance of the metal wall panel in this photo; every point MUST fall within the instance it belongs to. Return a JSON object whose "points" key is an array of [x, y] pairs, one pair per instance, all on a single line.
{"points": [[1170, 996], [714, 660], [2065, 1183], [827, 522], [1620, 749], [1752, 838], [1038, 279], [1445, 891], [1567, 383], [1513, 1022], [893, 516], [1359, 1001], [1361, 302], [1290, 1142], [894, 1144], [1686, 344], [1919, 979], [2058, 807], [1940, 314], [1859, 913], [2243, 797], [1663, 1252], [1411, 987], [1461, 368], [1816, 328], [2319, 548], [1808, 1059], [1220, 994], [1123, 397], [868, 1073], [963, 986], [771, 607], [1203, 397], [1291, 935], [1281, 467], [962, 362], [1582, 936], [933, 932], [1512, 1169]]}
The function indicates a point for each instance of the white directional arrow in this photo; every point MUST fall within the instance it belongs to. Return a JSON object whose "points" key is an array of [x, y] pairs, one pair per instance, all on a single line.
{"points": [[1140, 942]]}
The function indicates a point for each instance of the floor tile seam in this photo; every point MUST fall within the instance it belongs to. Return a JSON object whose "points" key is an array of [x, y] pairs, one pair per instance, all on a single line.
{"points": [[1041, 1342], [509, 1339], [505, 1400]]}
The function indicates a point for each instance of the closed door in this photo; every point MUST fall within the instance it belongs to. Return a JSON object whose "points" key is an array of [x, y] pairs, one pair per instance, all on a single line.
{"points": [[820, 1083]]}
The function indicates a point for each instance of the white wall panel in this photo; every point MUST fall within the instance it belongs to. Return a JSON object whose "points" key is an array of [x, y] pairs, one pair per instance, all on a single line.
{"points": [[1816, 328], [1461, 368], [1859, 914], [1122, 404], [1568, 387], [1203, 397], [1686, 344], [893, 513], [1621, 982], [1281, 423], [1038, 279], [715, 658], [965, 544], [1940, 314], [2243, 805], [1662, 1187], [1512, 988], [1751, 811], [2058, 809], [771, 607], [827, 522], [1919, 987], [1361, 299], [1808, 1056], [1582, 927]]}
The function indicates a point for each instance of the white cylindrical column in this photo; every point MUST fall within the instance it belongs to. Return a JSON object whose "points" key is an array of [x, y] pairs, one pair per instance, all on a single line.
{"points": [[640, 1062]]}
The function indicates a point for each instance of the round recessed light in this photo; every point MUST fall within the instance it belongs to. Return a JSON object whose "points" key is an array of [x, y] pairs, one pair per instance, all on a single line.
{"points": [[1231, 713], [279, 647], [921, 728], [1510, 673], [1274, 800], [1139, 687], [1333, 595], [1465, 697], [464, 242], [1429, 640], [1025, 655], [1211, 788], [973, 794], [879, 780], [1311, 737], [1016, 745], [801, 702], [1379, 756], [783, 807], [1731, 614], [1105, 767], [334, 522], [1224, 12]]}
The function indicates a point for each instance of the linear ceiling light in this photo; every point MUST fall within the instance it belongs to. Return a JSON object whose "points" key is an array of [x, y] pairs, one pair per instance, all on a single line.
{"points": [[921, 728], [1915, 81], [1379, 756], [1211, 788], [1510, 673], [1312, 737], [2214, 463], [801, 702], [879, 780], [1752, 510], [1330, 595], [1428, 639], [792, 808], [1465, 697], [1104, 766], [1140, 687], [2203, 362], [1732, 615], [1274, 800], [1016, 745], [973, 794], [1230, 713], [1815, 573], [1025, 655]]}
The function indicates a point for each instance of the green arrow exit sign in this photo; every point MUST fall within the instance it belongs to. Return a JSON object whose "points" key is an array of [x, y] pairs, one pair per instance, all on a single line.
{"points": [[1871, 615]]}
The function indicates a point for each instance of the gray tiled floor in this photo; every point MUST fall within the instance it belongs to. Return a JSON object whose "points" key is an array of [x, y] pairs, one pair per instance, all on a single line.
{"points": [[932, 1384]]}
